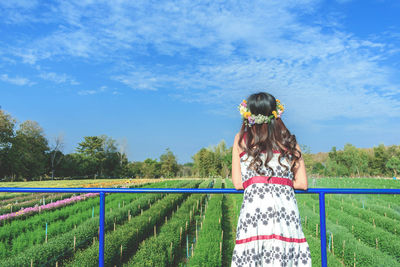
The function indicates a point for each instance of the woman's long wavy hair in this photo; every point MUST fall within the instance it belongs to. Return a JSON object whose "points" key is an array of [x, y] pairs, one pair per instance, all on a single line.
{"points": [[266, 136]]}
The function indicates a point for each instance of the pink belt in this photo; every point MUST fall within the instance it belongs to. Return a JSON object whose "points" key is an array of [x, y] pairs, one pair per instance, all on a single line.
{"points": [[264, 179]]}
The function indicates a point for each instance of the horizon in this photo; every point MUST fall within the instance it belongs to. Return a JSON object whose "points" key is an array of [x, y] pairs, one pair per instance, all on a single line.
{"points": [[172, 75]]}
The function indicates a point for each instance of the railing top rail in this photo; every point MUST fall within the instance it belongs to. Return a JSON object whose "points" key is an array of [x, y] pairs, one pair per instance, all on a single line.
{"points": [[190, 190]]}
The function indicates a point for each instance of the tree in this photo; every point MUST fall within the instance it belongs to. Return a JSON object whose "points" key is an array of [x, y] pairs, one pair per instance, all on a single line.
{"points": [[151, 168], [333, 168], [318, 168], [394, 164], [29, 150], [186, 170], [7, 125], [354, 159], [201, 163], [93, 150], [223, 159], [71, 166], [378, 164], [7, 133], [227, 163], [123, 148], [393, 150], [135, 169], [169, 165], [103, 152], [55, 153]]}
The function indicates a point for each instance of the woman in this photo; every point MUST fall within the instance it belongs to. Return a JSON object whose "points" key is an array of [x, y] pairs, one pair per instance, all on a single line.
{"points": [[267, 164]]}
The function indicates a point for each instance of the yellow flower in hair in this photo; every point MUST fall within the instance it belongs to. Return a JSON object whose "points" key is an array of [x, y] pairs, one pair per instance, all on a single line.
{"points": [[274, 113], [247, 114], [277, 100]]}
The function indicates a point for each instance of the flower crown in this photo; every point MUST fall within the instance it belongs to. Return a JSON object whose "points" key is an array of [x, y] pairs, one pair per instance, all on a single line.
{"points": [[251, 119]]}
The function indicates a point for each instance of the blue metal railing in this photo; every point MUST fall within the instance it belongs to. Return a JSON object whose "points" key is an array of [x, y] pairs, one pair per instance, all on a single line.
{"points": [[103, 191]]}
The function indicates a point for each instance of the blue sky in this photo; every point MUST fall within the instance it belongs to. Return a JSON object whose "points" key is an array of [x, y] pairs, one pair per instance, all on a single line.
{"points": [[158, 74]]}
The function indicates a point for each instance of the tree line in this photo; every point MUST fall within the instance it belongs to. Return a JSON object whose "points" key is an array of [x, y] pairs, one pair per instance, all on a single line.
{"points": [[26, 154], [356, 162]]}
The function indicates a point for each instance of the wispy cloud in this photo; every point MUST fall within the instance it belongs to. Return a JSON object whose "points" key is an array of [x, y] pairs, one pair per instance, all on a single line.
{"points": [[58, 78], [143, 80], [92, 92], [17, 80]]}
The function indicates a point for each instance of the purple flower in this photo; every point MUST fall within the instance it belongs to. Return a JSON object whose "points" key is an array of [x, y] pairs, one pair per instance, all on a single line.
{"points": [[49, 206]]}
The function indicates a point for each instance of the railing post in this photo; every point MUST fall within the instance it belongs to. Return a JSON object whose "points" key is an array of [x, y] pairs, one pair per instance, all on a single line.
{"points": [[101, 232], [322, 222]]}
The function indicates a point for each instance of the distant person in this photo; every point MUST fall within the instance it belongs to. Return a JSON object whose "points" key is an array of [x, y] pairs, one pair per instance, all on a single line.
{"points": [[267, 164]]}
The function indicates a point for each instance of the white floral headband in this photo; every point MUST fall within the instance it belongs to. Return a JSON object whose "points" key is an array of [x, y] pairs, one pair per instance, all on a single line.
{"points": [[251, 119]]}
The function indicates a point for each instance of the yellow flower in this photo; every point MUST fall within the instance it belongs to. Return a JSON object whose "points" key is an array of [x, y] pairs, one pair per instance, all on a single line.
{"points": [[244, 100], [274, 113], [277, 100], [247, 114]]}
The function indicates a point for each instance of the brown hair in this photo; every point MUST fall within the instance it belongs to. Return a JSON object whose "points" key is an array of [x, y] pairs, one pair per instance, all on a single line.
{"points": [[267, 136]]}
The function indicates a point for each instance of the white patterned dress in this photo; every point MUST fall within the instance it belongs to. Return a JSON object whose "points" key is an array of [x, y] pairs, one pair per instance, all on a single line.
{"points": [[269, 231]]}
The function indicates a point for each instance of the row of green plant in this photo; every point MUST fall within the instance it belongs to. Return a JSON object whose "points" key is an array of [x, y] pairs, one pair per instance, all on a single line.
{"points": [[364, 254], [372, 183], [208, 247], [370, 203], [315, 249], [181, 257], [18, 235], [364, 182], [380, 203], [385, 223], [121, 243], [366, 232], [163, 249], [62, 246], [229, 222], [381, 209], [7, 196]]}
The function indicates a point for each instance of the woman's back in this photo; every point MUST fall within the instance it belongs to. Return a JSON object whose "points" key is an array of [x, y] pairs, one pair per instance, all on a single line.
{"points": [[269, 231], [277, 169]]}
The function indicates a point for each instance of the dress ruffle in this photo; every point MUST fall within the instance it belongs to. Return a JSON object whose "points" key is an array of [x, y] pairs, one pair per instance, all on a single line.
{"points": [[271, 252]]}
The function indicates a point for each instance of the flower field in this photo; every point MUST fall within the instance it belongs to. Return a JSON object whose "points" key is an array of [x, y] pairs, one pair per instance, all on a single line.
{"points": [[186, 229]]}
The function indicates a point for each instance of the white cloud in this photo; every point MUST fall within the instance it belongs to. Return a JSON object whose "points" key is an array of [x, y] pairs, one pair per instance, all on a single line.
{"points": [[17, 80], [87, 92], [58, 78], [142, 80], [92, 92]]}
